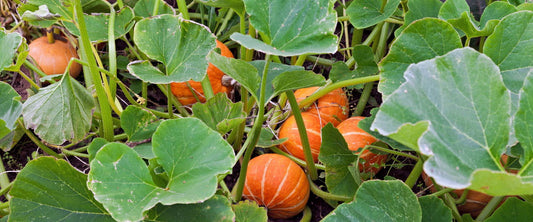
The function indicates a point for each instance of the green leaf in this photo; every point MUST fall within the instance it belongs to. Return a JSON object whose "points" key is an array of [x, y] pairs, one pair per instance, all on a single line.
{"points": [[47, 189], [96, 145], [138, 123], [453, 9], [365, 124], [379, 200], [419, 9], [510, 47], [496, 11], [249, 211], [244, 73], [499, 183], [180, 45], [42, 17], [10, 108], [274, 70], [217, 208], [60, 112], [11, 44], [291, 28], [462, 98], [364, 14], [522, 122], [421, 40], [434, 209], [145, 8], [518, 210], [339, 161], [265, 139], [219, 113], [470, 27], [98, 28], [366, 66], [63, 8], [237, 5], [122, 182], [292, 80]]}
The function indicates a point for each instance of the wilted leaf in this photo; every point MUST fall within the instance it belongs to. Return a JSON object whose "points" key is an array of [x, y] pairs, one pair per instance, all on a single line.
{"points": [[60, 112]]}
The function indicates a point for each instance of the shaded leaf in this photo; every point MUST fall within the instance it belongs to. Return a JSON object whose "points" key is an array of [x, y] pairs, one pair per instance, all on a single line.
{"points": [[434, 209], [47, 189], [364, 14], [430, 36], [419, 9], [11, 44], [379, 200], [249, 211], [42, 17], [266, 141], [180, 45], [365, 124], [219, 113], [122, 182], [138, 124], [60, 112], [237, 5], [98, 28], [217, 208], [292, 80], [292, 27], [339, 162], [10, 108], [462, 98], [95, 145], [512, 208], [145, 8], [366, 66], [496, 11], [274, 70]]}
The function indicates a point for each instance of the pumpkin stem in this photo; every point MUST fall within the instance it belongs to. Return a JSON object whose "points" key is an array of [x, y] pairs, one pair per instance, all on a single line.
{"points": [[50, 35]]}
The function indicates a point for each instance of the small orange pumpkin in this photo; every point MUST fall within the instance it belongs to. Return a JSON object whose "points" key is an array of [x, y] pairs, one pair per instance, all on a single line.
{"points": [[186, 96], [53, 58], [358, 138], [289, 129], [277, 183], [332, 107]]}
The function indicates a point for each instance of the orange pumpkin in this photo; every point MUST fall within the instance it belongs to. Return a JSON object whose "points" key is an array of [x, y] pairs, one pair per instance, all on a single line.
{"points": [[289, 129], [53, 58], [186, 96], [279, 184], [332, 107], [358, 138]]}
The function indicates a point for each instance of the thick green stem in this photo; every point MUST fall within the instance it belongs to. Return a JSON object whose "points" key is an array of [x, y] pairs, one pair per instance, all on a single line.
{"points": [[320, 61], [155, 11], [307, 215], [106, 125], [415, 174], [182, 6], [301, 59], [382, 43], [325, 195], [296, 159], [34, 68], [38, 142], [27, 78], [441, 192], [253, 137], [490, 207], [303, 135], [112, 51], [169, 102], [173, 100], [4, 180], [373, 35], [73, 153], [363, 100], [393, 152], [449, 201], [323, 91]]}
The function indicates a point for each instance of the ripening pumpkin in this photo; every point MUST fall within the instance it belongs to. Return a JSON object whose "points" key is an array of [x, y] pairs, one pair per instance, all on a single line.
{"points": [[186, 96], [289, 129], [53, 58], [357, 138], [279, 184], [332, 107]]}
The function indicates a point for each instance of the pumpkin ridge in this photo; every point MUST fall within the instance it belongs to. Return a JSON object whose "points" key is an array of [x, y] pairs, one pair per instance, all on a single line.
{"points": [[287, 171], [267, 164], [289, 195]]}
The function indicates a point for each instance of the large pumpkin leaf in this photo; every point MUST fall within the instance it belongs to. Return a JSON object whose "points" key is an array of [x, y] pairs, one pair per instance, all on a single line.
{"points": [[379, 200], [275, 70], [434, 209], [523, 126], [364, 14], [97, 25], [180, 45], [518, 210], [341, 178], [249, 211], [292, 27], [60, 112], [138, 124], [421, 40], [47, 189], [217, 208], [10, 108], [237, 5], [145, 8], [219, 113], [419, 9], [496, 11], [462, 98], [11, 44], [122, 182], [510, 47]]}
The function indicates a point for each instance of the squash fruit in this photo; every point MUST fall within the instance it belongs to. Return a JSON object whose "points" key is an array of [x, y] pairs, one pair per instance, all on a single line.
{"points": [[185, 95], [356, 138], [53, 58], [289, 129], [277, 183], [332, 107]]}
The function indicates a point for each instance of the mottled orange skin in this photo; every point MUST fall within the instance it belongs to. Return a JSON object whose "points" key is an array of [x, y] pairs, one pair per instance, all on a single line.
{"points": [[332, 107], [185, 95], [53, 58], [356, 138], [279, 184], [289, 129]]}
